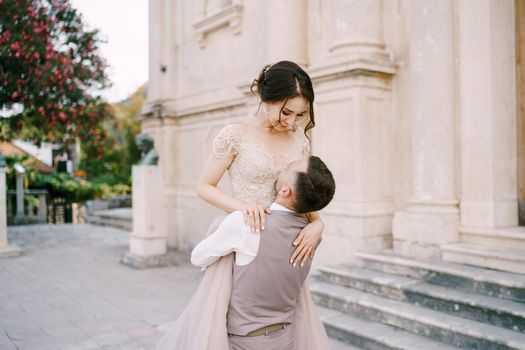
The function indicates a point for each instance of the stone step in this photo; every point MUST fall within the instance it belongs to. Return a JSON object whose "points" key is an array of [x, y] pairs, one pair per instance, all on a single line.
{"points": [[373, 335], [499, 312], [339, 345], [503, 238], [336, 344], [479, 280], [452, 330], [118, 223], [120, 218], [505, 259]]}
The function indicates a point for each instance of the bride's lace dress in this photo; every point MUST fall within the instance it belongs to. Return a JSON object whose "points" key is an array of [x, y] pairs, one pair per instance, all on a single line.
{"points": [[254, 170]]}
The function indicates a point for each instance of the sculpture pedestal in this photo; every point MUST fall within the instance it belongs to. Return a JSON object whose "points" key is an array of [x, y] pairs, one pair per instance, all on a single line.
{"points": [[10, 250], [147, 245]]}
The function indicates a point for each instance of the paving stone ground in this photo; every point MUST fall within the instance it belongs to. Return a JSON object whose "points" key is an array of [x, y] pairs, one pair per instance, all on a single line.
{"points": [[68, 290]]}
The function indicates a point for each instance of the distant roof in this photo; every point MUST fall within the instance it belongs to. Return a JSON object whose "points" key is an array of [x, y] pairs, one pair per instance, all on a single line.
{"points": [[9, 149]]}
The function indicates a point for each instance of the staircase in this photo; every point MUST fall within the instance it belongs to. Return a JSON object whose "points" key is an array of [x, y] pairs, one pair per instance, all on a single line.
{"points": [[502, 249], [119, 217], [393, 302]]}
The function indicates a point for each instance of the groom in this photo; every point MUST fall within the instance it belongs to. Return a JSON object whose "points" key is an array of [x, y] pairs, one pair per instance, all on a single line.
{"points": [[265, 284]]}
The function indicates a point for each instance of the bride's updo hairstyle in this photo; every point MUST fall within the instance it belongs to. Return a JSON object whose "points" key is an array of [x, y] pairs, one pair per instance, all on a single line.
{"points": [[282, 81]]}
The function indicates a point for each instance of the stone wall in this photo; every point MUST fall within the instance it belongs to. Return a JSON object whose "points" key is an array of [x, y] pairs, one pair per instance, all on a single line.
{"points": [[408, 94]]}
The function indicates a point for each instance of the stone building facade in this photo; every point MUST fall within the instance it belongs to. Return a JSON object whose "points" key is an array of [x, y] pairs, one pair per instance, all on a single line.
{"points": [[419, 105]]}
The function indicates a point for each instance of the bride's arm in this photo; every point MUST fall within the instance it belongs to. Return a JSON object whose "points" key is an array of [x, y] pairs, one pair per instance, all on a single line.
{"points": [[207, 189], [253, 213], [308, 239]]}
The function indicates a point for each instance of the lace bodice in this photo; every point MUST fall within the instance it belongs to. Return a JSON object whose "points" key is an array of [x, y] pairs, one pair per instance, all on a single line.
{"points": [[254, 170]]}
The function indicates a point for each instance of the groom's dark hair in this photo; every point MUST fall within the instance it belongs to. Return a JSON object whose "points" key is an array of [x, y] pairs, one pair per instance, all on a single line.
{"points": [[315, 188]]}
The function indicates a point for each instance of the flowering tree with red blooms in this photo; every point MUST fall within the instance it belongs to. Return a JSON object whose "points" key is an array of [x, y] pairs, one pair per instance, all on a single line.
{"points": [[50, 70]]}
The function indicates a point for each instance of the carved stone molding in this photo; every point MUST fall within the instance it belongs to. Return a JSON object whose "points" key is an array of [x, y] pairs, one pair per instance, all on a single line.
{"points": [[230, 16], [367, 67]]}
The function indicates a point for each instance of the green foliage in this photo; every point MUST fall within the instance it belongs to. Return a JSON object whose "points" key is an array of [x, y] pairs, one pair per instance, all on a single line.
{"points": [[65, 185], [10, 171], [114, 165], [57, 184], [50, 71], [50, 68], [105, 190], [61, 184]]}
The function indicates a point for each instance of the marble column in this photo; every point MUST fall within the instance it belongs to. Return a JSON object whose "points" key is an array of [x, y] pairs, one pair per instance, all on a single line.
{"points": [[286, 39], [5, 248], [354, 136], [431, 217], [488, 113], [358, 29]]}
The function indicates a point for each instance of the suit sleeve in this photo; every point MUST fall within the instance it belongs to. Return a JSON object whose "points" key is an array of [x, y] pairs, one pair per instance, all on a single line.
{"points": [[221, 242]]}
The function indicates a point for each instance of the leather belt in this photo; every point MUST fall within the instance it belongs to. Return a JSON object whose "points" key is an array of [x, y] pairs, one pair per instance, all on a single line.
{"points": [[265, 330]]}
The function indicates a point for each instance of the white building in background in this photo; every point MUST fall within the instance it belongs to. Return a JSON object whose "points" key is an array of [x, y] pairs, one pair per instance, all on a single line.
{"points": [[44, 153], [420, 114]]}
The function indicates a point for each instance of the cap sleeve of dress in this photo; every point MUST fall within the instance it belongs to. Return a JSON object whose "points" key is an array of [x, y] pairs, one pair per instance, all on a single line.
{"points": [[226, 143]]}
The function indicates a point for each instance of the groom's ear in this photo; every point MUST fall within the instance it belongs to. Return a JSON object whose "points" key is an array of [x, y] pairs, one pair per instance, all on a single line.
{"points": [[285, 191]]}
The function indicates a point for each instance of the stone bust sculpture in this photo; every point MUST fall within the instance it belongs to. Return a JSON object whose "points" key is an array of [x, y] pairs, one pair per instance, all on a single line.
{"points": [[146, 145]]}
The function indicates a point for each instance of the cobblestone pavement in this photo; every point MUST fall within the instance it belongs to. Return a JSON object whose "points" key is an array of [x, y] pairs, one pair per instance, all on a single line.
{"points": [[68, 290]]}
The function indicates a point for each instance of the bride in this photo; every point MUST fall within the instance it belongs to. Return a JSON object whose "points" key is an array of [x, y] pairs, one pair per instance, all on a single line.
{"points": [[254, 153]]}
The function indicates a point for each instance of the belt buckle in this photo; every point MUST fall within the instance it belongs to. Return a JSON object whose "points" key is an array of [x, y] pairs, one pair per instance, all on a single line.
{"points": [[281, 326]]}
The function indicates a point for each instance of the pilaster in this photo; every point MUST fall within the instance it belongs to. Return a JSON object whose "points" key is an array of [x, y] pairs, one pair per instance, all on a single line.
{"points": [[431, 217], [488, 114], [353, 93]]}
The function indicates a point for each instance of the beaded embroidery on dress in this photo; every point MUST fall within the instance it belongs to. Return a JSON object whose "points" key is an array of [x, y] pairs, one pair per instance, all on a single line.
{"points": [[254, 170]]}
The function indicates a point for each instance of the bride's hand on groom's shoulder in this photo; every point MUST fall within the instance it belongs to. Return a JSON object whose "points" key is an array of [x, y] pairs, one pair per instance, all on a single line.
{"points": [[255, 216], [307, 242]]}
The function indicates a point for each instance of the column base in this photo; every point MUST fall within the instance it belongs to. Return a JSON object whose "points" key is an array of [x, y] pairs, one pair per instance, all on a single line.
{"points": [[492, 213], [346, 235], [415, 249], [10, 250], [147, 246], [421, 234], [144, 262]]}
